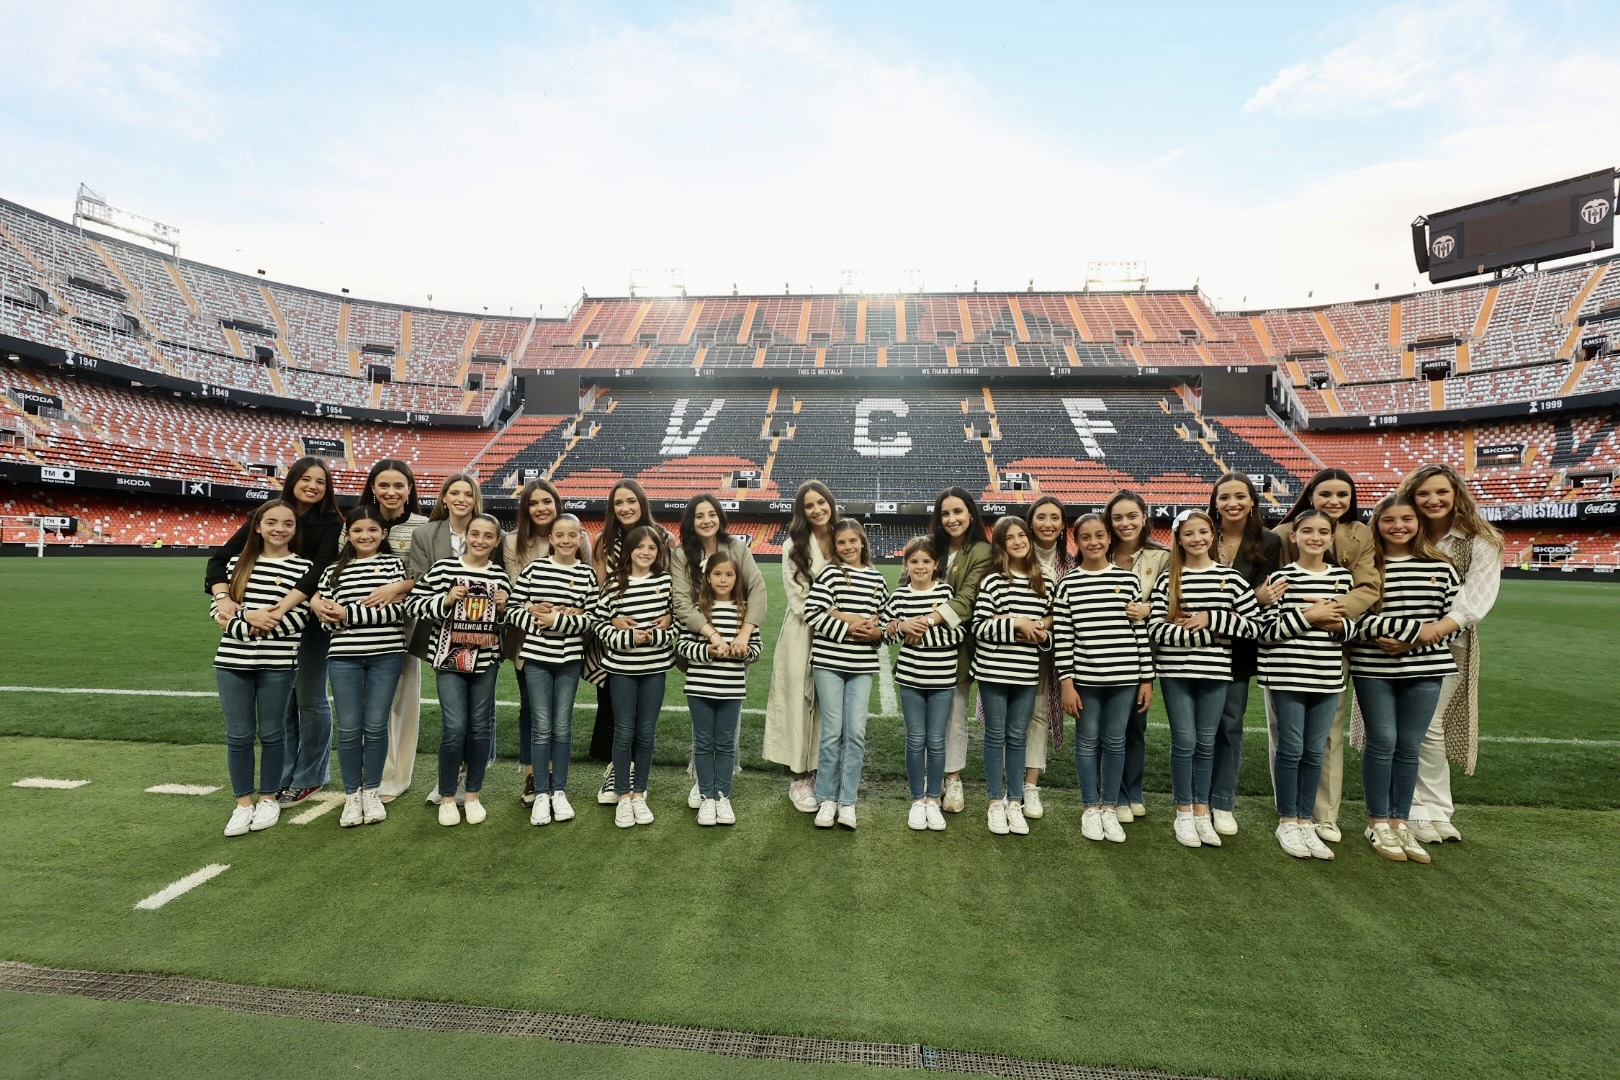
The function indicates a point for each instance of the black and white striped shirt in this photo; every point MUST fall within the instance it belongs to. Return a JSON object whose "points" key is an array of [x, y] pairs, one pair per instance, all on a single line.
{"points": [[1295, 655], [998, 655], [1416, 591], [718, 679], [544, 581], [850, 590], [368, 631], [646, 600], [268, 582], [930, 664], [1095, 643], [427, 600], [1204, 654]]}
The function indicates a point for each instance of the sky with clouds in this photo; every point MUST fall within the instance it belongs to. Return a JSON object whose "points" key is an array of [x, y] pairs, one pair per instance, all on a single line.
{"points": [[508, 156]]}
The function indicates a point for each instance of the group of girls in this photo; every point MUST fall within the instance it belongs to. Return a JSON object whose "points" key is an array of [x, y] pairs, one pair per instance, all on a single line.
{"points": [[302, 596]]}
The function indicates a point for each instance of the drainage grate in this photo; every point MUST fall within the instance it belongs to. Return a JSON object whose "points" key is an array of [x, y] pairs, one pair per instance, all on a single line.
{"points": [[558, 1027]]}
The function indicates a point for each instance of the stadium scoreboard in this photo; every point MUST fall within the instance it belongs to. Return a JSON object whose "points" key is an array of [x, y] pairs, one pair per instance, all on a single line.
{"points": [[1570, 217]]}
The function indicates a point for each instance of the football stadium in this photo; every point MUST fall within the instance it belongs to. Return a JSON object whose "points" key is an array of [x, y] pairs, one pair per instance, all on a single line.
{"points": [[196, 451]]}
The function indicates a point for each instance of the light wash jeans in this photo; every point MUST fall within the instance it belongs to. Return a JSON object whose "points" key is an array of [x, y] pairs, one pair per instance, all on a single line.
{"points": [[1303, 720], [549, 696], [1099, 738], [363, 691], [1007, 709], [927, 713], [466, 726], [1194, 707], [307, 761], [1396, 713], [255, 705], [844, 698]]}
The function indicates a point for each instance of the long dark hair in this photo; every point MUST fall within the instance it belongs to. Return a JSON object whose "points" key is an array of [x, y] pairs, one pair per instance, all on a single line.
{"points": [[800, 534], [614, 534], [1253, 551], [253, 546], [328, 504], [692, 544], [368, 496], [632, 540], [1001, 562], [1304, 502], [441, 510], [1127, 495], [936, 530], [527, 536], [362, 512], [1062, 542]]}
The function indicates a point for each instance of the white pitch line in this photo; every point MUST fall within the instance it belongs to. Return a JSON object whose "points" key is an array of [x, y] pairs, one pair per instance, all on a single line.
{"points": [[181, 887], [890, 712], [44, 782], [888, 696], [182, 789], [323, 805]]}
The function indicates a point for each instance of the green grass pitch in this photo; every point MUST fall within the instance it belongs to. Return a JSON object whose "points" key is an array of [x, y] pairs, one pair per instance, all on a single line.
{"points": [[1238, 962]]}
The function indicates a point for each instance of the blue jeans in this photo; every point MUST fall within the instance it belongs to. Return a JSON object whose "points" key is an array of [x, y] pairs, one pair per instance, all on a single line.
{"points": [[927, 712], [1229, 747], [1007, 709], [548, 690], [636, 701], [844, 698], [363, 690], [307, 761], [1194, 707], [1397, 714], [466, 726], [525, 717], [254, 704], [1135, 764], [1303, 721], [714, 743], [1099, 739]]}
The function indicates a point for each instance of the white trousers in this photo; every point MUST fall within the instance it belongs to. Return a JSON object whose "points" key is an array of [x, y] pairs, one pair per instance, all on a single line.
{"points": [[404, 725], [1431, 799]]}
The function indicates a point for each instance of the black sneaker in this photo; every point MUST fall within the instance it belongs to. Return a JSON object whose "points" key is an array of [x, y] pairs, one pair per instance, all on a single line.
{"points": [[606, 795], [528, 789]]}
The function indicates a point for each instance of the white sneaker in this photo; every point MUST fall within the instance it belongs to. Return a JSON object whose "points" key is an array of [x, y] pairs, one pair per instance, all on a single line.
{"points": [[266, 812], [1313, 843], [642, 812], [954, 802], [476, 812], [433, 796], [1289, 836], [1015, 819], [1225, 823], [1409, 844], [1123, 815], [624, 815], [372, 809], [936, 819], [706, 811], [561, 808], [1032, 802], [1110, 826], [241, 820], [724, 814], [826, 814], [802, 793], [1206, 831], [997, 816], [1091, 824], [917, 817], [1447, 830], [449, 813], [1385, 842], [694, 798], [1186, 831], [1138, 809], [605, 795], [846, 815], [1327, 830], [1424, 830], [540, 810], [353, 814]]}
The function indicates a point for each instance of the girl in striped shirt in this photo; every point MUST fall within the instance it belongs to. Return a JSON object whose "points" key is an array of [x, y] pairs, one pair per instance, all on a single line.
{"points": [[842, 611], [717, 682], [466, 698], [1398, 660], [1301, 665], [551, 601], [926, 673], [366, 657], [1105, 668], [1012, 623], [255, 669], [1198, 606], [632, 618]]}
